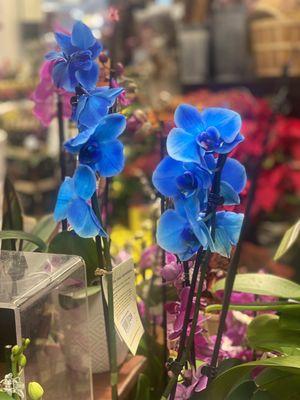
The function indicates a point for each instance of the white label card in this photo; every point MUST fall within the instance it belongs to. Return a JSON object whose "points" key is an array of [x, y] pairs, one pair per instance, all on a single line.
{"points": [[127, 319]]}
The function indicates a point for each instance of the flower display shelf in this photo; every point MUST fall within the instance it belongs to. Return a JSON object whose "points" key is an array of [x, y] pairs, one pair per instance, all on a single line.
{"points": [[128, 376]]}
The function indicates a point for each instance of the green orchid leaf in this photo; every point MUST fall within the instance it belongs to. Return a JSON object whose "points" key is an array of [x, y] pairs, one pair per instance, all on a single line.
{"points": [[44, 229], [223, 384], [264, 333], [12, 213], [244, 391], [279, 384], [143, 388], [262, 284], [289, 238], [281, 306], [68, 242], [39, 244]]}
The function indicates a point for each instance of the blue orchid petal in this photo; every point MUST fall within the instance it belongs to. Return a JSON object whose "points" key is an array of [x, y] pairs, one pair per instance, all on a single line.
{"points": [[54, 55], [110, 127], [107, 160], [95, 49], [222, 242], [227, 122], [64, 42], [107, 93], [61, 77], [170, 235], [202, 175], [182, 146], [88, 78], [165, 174], [234, 174], [84, 182], [232, 223], [210, 161], [74, 145], [94, 109], [65, 196], [83, 220], [82, 36], [189, 118], [230, 196], [227, 147]]}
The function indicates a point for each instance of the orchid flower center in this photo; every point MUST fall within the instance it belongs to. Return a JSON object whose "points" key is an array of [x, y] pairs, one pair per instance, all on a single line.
{"points": [[209, 139], [188, 235], [90, 152], [187, 183]]}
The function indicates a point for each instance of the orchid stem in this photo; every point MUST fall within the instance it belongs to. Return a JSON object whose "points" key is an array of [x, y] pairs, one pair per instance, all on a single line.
{"points": [[62, 154]]}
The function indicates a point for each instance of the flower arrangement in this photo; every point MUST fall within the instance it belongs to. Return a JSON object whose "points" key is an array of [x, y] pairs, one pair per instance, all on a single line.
{"points": [[199, 180]]}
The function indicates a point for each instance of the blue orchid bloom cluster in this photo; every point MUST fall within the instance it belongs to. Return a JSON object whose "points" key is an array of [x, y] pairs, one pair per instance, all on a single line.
{"points": [[186, 175], [99, 151]]}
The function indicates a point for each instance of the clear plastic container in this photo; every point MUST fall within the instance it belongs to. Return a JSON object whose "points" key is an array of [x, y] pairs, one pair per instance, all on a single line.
{"points": [[43, 297]]}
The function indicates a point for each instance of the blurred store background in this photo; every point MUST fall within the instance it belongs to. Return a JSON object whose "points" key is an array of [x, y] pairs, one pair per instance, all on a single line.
{"points": [[233, 53]]}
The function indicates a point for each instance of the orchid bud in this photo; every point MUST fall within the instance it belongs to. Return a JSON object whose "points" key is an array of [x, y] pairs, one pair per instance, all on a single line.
{"points": [[22, 360], [170, 272], [35, 391], [26, 343], [15, 350]]}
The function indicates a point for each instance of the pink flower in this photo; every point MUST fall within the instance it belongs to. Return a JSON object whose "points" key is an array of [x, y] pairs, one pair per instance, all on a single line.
{"points": [[178, 309], [172, 270], [148, 257], [122, 97], [45, 97], [113, 14]]}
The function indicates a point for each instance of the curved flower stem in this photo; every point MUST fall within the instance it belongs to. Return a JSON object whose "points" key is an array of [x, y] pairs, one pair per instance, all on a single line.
{"points": [[62, 156], [202, 256]]}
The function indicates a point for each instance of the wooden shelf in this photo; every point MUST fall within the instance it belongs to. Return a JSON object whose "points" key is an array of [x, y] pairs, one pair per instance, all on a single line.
{"points": [[128, 376]]}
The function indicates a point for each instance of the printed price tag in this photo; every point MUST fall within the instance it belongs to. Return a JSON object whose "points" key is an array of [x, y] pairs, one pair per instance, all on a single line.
{"points": [[127, 319]]}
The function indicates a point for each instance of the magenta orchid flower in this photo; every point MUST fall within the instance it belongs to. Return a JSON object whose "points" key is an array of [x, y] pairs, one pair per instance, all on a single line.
{"points": [[173, 270], [45, 97]]}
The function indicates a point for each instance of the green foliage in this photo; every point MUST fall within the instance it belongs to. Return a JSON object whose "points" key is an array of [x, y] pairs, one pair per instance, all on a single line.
{"points": [[44, 229], [265, 333], [262, 284], [40, 245], [68, 242], [289, 238], [12, 213], [5, 396], [143, 388]]}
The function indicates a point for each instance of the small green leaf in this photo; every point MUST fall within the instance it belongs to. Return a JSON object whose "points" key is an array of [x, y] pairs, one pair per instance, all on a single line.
{"points": [[262, 284], [68, 242], [29, 237], [264, 333], [143, 388], [44, 229], [289, 238]]}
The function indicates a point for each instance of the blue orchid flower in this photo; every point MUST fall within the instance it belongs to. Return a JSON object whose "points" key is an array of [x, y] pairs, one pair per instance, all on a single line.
{"points": [[178, 179], [228, 227], [99, 147], [212, 130], [93, 105], [176, 235], [74, 64], [73, 203]]}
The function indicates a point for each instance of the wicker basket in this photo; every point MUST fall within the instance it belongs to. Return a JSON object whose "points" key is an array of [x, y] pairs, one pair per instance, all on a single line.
{"points": [[276, 43]]}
